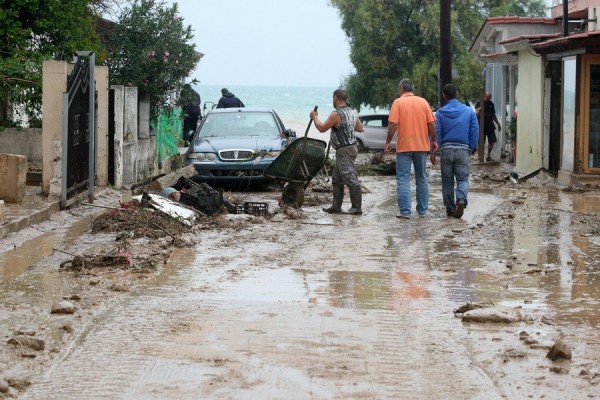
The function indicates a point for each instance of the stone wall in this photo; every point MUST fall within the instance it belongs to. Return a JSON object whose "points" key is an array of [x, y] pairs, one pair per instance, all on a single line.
{"points": [[26, 142]]}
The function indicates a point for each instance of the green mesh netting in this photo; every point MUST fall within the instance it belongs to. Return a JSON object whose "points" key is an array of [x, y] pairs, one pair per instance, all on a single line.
{"points": [[168, 127]]}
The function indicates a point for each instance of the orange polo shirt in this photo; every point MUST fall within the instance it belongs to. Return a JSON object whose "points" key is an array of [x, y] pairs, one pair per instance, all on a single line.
{"points": [[412, 114]]}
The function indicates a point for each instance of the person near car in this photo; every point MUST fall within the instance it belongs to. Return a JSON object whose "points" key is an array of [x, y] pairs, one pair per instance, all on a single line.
{"points": [[457, 133], [413, 120], [343, 122], [489, 119], [229, 100], [190, 104]]}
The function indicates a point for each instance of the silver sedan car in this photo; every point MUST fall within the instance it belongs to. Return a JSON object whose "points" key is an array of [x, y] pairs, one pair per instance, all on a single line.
{"points": [[375, 133]]}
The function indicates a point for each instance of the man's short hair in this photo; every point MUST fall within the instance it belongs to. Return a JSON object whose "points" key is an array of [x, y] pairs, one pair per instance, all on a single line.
{"points": [[407, 85], [449, 91], [224, 91], [341, 94]]}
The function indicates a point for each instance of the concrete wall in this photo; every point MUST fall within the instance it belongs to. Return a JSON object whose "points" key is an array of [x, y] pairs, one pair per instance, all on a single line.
{"points": [[13, 174], [119, 99], [135, 146], [26, 142], [530, 121], [130, 114], [101, 75], [54, 84]]}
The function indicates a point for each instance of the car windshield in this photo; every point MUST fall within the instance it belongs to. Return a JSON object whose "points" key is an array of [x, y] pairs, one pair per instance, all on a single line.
{"points": [[239, 124]]}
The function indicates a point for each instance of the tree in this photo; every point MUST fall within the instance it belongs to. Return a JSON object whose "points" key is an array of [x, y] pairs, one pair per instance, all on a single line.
{"points": [[395, 39], [32, 31], [151, 48]]}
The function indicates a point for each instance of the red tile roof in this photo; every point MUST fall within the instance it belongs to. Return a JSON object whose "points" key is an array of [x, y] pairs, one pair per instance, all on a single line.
{"points": [[569, 42], [513, 20], [531, 38], [521, 20], [582, 35]]}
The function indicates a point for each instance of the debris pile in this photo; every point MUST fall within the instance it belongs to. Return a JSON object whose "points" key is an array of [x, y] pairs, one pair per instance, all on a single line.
{"points": [[118, 258], [138, 221]]}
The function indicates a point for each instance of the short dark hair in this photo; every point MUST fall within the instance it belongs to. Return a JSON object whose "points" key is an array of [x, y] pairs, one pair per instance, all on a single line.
{"points": [[224, 90], [449, 91], [341, 94], [407, 85]]}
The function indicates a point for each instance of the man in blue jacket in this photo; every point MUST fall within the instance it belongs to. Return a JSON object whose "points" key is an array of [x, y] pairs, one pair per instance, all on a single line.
{"points": [[458, 135]]}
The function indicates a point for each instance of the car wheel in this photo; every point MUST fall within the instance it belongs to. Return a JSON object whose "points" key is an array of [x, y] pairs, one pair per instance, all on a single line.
{"points": [[361, 147], [293, 194]]}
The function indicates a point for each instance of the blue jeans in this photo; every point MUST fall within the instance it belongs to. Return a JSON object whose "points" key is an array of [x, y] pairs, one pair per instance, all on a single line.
{"points": [[403, 163], [455, 163]]}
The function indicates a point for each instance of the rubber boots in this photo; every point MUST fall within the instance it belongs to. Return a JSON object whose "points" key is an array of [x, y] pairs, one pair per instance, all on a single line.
{"points": [[338, 199], [356, 199]]}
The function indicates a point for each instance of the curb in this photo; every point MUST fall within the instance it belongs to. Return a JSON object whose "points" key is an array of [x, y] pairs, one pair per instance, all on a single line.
{"points": [[24, 222]]}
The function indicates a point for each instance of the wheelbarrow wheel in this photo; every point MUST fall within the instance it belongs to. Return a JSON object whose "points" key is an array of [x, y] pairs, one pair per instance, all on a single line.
{"points": [[293, 194]]}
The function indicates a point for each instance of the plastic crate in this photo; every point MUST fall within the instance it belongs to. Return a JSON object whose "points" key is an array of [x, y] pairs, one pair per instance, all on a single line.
{"points": [[201, 196], [254, 208], [234, 209]]}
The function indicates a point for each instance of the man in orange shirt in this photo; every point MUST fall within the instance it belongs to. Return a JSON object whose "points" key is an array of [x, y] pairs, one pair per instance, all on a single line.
{"points": [[412, 117]]}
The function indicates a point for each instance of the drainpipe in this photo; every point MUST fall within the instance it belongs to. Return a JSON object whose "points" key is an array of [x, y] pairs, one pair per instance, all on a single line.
{"points": [[565, 19]]}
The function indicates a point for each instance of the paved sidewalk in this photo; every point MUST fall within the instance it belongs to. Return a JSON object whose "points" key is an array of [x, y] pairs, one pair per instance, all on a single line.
{"points": [[37, 207]]}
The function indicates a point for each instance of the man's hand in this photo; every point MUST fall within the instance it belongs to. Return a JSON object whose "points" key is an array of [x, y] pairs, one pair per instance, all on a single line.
{"points": [[432, 158], [433, 147], [313, 114], [388, 148]]}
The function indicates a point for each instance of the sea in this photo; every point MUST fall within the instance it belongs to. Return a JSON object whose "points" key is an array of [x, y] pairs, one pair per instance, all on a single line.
{"points": [[293, 104]]}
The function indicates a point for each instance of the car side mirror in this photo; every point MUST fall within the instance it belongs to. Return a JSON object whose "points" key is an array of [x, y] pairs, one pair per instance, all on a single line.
{"points": [[190, 135], [288, 133]]}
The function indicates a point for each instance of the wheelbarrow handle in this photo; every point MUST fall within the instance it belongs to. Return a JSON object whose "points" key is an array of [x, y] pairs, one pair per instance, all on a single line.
{"points": [[306, 135], [309, 122]]}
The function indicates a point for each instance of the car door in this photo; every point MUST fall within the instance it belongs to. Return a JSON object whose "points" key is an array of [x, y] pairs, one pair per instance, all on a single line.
{"points": [[375, 131]]}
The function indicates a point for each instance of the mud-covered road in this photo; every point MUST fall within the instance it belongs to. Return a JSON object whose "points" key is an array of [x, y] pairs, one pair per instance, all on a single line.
{"points": [[318, 306]]}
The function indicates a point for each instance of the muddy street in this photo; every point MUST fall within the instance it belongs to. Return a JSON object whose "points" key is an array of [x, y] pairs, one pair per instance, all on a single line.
{"points": [[307, 305]]}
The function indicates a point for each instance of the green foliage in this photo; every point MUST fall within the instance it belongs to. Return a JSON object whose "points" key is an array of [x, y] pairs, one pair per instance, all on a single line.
{"points": [[395, 39], [512, 130], [151, 48], [32, 31]]}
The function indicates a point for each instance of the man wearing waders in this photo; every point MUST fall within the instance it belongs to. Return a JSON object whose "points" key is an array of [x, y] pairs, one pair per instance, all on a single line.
{"points": [[343, 122]]}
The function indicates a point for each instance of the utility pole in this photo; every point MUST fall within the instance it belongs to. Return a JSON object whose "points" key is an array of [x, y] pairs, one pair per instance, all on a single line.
{"points": [[445, 48]]}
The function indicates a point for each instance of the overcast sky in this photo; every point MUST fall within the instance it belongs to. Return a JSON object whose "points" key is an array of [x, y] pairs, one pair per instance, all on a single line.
{"points": [[267, 42]]}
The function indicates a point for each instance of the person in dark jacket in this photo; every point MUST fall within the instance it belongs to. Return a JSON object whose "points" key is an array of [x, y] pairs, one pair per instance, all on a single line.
{"points": [[190, 104], [228, 100], [490, 121], [458, 135]]}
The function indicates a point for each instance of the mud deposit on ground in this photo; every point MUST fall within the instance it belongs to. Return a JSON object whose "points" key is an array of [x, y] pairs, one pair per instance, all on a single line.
{"points": [[303, 304]]}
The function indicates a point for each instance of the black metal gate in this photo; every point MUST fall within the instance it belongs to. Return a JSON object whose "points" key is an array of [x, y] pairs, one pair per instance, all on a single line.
{"points": [[79, 124], [111, 137]]}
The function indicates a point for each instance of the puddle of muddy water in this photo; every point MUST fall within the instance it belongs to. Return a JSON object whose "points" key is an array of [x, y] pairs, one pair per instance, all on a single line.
{"points": [[15, 261], [546, 260], [341, 289]]}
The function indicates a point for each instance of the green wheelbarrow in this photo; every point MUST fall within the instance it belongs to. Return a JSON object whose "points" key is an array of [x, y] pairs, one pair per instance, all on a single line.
{"points": [[297, 165]]}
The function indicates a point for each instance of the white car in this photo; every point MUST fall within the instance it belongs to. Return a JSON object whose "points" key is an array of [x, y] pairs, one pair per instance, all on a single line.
{"points": [[375, 133]]}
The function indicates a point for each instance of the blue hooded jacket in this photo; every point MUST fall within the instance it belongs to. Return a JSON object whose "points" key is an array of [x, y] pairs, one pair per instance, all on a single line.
{"points": [[456, 126]]}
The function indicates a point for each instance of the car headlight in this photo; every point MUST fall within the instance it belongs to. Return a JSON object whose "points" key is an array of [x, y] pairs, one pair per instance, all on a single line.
{"points": [[203, 156]]}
